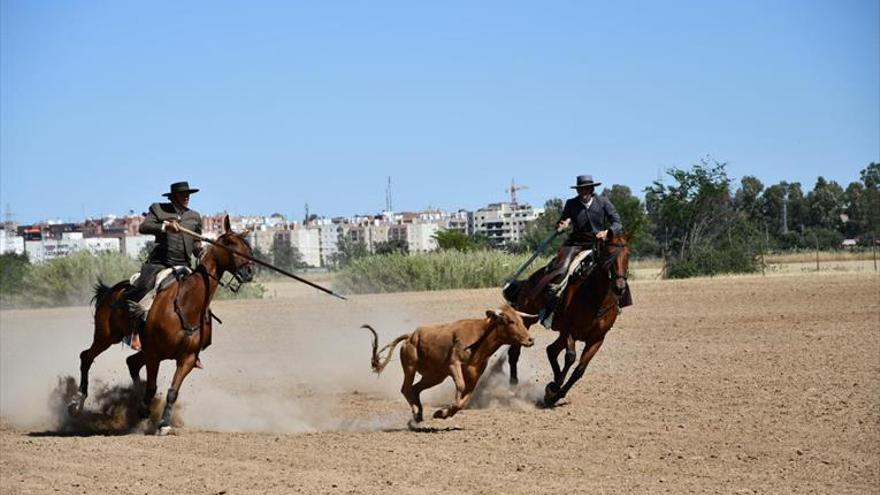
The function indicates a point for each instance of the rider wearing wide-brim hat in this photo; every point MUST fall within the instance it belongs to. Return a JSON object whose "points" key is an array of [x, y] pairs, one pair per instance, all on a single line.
{"points": [[172, 248], [592, 217]]}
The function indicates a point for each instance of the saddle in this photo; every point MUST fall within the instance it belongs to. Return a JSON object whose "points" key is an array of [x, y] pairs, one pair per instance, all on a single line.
{"points": [[581, 266], [164, 279]]}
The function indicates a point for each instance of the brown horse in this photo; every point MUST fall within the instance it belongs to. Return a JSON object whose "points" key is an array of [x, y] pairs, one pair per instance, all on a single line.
{"points": [[587, 311], [178, 324]]}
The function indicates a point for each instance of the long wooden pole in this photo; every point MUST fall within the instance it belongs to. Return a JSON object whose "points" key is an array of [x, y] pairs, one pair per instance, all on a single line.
{"points": [[540, 249], [261, 262]]}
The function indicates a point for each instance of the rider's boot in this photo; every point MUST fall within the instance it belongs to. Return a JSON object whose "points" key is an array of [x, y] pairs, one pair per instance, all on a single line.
{"points": [[137, 314], [546, 315]]}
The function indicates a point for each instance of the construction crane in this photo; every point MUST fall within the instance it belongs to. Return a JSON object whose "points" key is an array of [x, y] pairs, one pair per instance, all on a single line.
{"points": [[513, 189]]}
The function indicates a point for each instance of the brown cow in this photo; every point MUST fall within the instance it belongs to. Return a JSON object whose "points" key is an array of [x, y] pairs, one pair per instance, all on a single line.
{"points": [[460, 350]]}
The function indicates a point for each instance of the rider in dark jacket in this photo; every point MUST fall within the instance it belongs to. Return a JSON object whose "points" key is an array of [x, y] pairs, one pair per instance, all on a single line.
{"points": [[173, 247], [591, 217]]}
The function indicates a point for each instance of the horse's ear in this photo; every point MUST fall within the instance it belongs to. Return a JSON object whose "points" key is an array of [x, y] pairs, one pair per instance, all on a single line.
{"points": [[226, 225]]}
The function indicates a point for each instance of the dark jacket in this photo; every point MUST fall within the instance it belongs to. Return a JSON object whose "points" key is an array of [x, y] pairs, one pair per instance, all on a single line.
{"points": [[171, 248], [585, 223]]}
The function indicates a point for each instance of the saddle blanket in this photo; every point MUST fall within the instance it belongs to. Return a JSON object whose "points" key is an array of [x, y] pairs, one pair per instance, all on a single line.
{"points": [[163, 279]]}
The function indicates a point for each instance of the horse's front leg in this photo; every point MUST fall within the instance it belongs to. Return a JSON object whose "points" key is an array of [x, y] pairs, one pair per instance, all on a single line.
{"points": [[512, 360], [553, 351], [86, 358], [135, 362], [185, 364], [570, 355], [150, 389], [589, 351]]}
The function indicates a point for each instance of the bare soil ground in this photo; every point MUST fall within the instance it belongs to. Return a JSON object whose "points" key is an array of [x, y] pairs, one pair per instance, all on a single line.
{"points": [[726, 385]]}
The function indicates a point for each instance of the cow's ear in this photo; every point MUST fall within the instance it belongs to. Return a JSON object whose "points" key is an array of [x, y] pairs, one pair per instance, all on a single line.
{"points": [[493, 314]]}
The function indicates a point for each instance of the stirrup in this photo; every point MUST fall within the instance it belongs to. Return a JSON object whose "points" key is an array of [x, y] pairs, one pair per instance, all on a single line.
{"points": [[136, 310], [546, 317]]}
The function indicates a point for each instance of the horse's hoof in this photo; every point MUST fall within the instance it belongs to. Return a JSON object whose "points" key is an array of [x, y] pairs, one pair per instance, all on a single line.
{"points": [[440, 414], [551, 394], [514, 381], [163, 430], [75, 406]]}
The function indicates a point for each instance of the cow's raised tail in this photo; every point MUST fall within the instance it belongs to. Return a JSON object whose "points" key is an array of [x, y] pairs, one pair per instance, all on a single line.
{"points": [[376, 362]]}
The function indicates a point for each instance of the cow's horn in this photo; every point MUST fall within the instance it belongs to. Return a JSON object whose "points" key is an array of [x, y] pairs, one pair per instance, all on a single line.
{"points": [[526, 315]]}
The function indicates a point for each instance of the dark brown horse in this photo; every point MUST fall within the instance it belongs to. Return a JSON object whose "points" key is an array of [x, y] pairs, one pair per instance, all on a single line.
{"points": [[178, 324], [587, 311]]}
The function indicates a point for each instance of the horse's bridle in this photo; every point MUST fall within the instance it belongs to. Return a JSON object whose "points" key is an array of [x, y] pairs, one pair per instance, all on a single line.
{"points": [[236, 271]]}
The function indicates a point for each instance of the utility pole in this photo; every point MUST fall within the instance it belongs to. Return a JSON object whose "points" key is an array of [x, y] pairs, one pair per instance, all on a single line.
{"points": [[388, 204], [9, 215], [785, 211]]}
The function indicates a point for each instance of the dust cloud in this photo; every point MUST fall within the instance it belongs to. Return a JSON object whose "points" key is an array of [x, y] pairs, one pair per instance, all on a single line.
{"points": [[279, 370]]}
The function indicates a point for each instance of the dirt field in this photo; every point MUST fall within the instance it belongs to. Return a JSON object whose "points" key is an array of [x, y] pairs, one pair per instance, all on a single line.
{"points": [[727, 385]]}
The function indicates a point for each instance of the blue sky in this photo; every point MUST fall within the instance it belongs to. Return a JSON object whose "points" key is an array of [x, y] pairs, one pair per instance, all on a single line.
{"points": [[267, 106]]}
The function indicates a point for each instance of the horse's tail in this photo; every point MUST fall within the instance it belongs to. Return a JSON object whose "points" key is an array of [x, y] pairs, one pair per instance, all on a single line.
{"points": [[103, 290], [378, 364]]}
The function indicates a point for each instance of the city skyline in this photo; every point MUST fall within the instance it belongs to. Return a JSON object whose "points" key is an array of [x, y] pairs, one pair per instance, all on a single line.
{"points": [[294, 216]]}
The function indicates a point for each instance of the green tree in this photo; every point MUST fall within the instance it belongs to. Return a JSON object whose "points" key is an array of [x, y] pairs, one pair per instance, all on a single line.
{"points": [[854, 216], [459, 241], [285, 255], [706, 234], [260, 255], [748, 198], [13, 269], [348, 250], [542, 227], [869, 202], [870, 176], [392, 246], [773, 205], [634, 219], [825, 204]]}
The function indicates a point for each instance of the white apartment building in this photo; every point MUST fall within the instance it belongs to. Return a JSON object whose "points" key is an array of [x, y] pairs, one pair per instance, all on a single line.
{"points": [[328, 236], [133, 245], [420, 237], [505, 223], [308, 242], [11, 243], [40, 251]]}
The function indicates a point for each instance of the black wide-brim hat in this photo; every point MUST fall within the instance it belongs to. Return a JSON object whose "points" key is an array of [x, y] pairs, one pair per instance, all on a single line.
{"points": [[585, 181], [180, 187]]}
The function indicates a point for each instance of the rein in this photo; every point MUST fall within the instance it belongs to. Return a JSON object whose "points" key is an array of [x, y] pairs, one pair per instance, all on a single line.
{"points": [[187, 329], [607, 263], [190, 330]]}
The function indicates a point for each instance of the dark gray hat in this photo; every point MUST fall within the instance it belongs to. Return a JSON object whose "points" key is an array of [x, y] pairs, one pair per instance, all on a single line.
{"points": [[180, 187], [584, 181]]}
